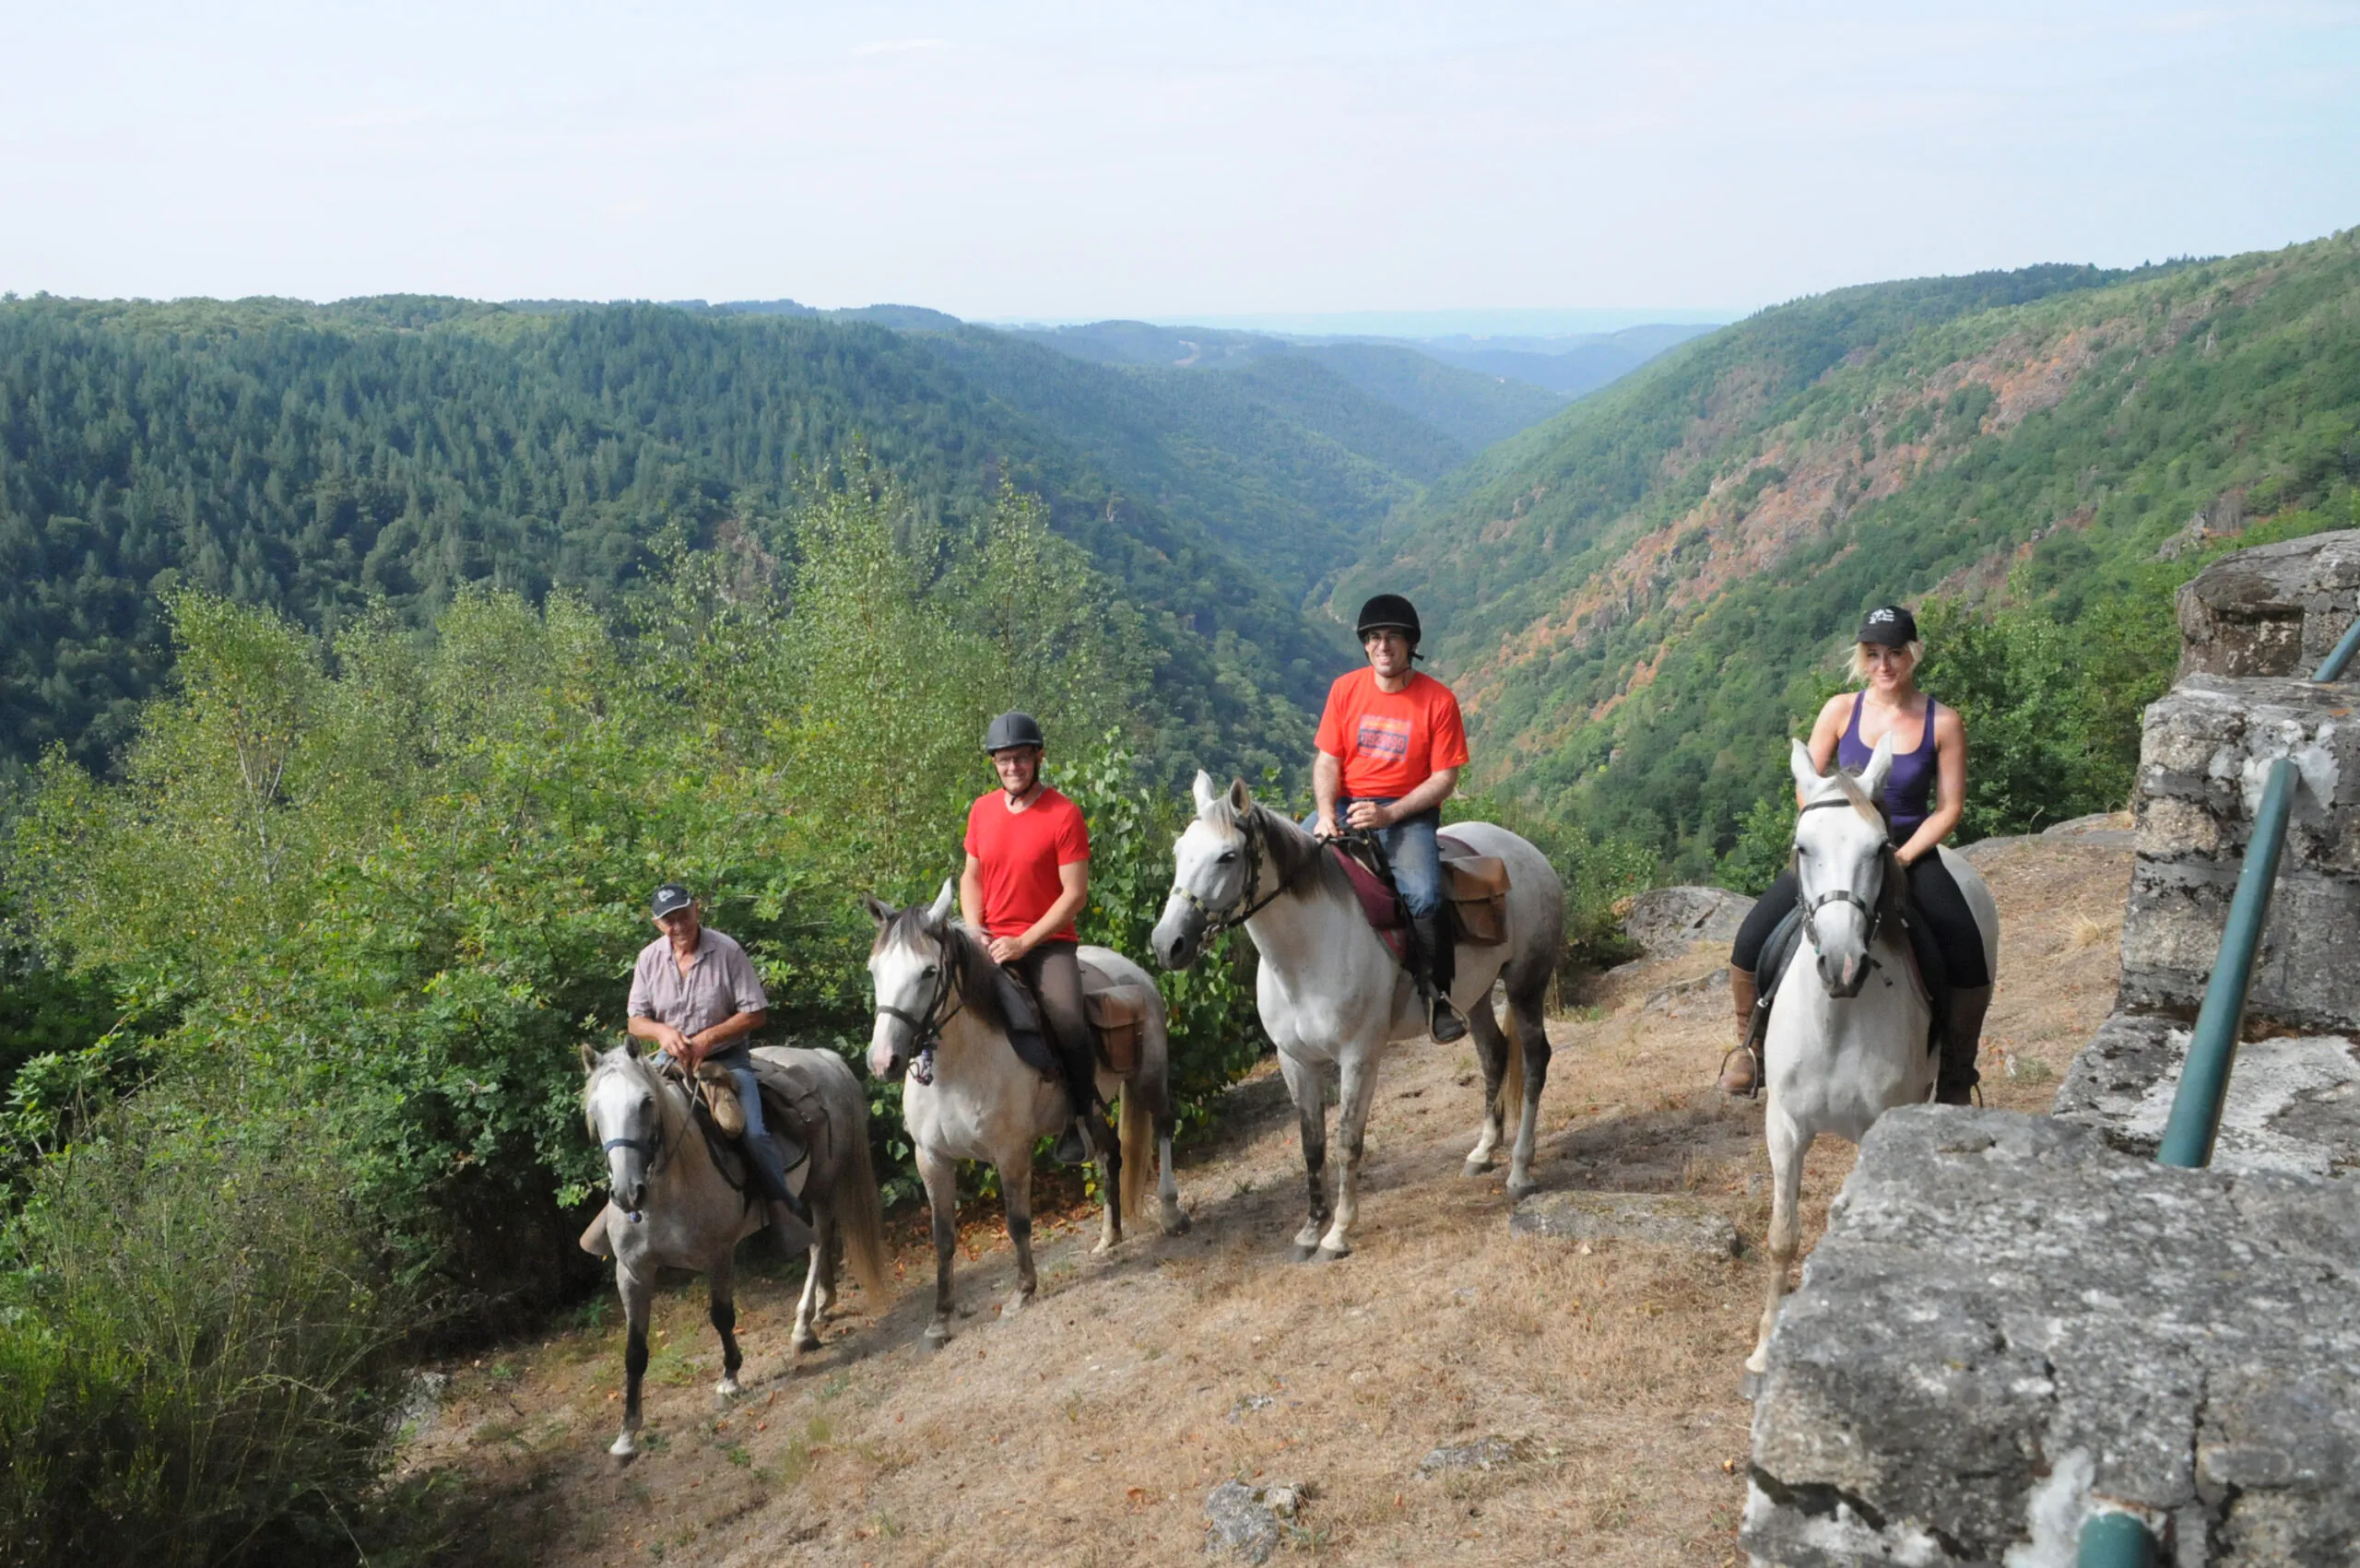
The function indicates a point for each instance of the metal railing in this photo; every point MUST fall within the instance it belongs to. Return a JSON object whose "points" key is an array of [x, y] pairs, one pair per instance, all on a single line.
{"points": [[2122, 1539]]}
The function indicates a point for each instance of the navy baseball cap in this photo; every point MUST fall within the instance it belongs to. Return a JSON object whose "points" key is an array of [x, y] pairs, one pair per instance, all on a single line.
{"points": [[1889, 626], [669, 899]]}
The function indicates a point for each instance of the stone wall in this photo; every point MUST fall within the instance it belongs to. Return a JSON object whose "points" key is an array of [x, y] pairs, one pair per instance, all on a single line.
{"points": [[2275, 610]]}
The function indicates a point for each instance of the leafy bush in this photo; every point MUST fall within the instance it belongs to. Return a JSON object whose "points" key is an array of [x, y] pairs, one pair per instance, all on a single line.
{"points": [[194, 1343]]}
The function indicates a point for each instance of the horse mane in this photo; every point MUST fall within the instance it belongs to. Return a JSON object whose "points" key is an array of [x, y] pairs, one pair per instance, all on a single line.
{"points": [[1296, 860], [978, 976]]}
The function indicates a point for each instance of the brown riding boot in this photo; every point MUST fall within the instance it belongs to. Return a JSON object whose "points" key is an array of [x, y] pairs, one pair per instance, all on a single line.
{"points": [[1961, 1035], [1737, 1068]]}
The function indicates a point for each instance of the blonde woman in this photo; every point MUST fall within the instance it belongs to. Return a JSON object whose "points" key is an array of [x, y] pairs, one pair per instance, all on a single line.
{"points": [[1923, 796]]}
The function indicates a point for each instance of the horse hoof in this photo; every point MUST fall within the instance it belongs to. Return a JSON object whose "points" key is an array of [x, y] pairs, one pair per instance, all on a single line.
{"points": [[805, 1342], [726, 1390], [1175, 1222], [937, 1336], [1475, 1168], [1749, 1387], [1305, 1252], [1333, 1255], [625, 1449], [1519, 1191]]}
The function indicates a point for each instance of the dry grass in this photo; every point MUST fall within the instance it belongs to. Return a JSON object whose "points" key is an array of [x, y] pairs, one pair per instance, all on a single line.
{"points": [[1088, 1430]]}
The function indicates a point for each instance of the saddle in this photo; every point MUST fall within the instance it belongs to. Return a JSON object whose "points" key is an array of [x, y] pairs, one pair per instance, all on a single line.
{"points": [[1475, 892], [1116, 1007], [791, 1105]]}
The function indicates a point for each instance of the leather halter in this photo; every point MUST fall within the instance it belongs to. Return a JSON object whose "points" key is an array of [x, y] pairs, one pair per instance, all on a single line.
{"points": [[1872, 912], [1244, 906], [926, 1029]]}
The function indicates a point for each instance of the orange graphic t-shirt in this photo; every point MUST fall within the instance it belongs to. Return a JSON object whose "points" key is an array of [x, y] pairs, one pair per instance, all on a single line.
{"points": [[1390, 742]]}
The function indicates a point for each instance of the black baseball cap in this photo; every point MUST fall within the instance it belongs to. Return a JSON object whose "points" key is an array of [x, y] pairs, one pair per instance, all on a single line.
{"points": [[670, 899], [1889, 626]]}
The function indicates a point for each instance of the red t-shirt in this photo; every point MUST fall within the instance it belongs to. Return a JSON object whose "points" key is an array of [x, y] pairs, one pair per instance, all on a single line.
{"points": [[1019, 853], [1390, 742]]}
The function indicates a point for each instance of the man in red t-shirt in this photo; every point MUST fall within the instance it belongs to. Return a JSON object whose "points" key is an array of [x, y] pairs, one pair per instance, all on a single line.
{"points": [[1027, 877], [1391, 742]]}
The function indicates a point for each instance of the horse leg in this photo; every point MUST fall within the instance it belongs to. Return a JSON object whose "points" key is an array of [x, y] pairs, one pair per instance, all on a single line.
{"points": [[1532, 1038], [827, 1248], [1109, 1180], [1358, 1094], [806, 1307], [1491, 1051], [720, 1280], [1016, 1192], [1310, 1112], [1788, 1144], [940, 1175], [638, 1295], [1167, 1185]]}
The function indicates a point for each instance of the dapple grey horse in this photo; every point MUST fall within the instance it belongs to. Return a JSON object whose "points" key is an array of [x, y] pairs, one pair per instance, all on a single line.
{"points": [[936, 984], [1331, 995], [671, 1206], [1843, 1052]]}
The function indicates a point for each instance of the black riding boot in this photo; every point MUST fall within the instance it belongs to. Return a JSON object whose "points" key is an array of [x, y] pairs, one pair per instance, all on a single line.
{"points": [[1962, 1037], [1075, 1145], [1432, 932]]}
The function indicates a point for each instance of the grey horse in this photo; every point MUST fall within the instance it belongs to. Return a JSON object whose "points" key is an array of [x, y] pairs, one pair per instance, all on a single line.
{"points": [[936, 984], [671, 1206]]}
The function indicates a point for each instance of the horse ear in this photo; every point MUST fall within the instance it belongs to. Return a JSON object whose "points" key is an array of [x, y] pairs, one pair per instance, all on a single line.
{"points": [[1241, 799], [1880, 764], [879, 910], [1206, 793], [589, 1060], [1806, 772], [940, 909]]}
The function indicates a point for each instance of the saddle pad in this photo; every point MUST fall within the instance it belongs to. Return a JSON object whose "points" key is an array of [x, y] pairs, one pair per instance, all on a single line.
{"points": [[1377, 902]]}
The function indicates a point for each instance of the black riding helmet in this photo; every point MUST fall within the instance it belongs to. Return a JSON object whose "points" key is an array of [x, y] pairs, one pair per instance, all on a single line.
{"points": [[1389, 612], [1013, 729]]}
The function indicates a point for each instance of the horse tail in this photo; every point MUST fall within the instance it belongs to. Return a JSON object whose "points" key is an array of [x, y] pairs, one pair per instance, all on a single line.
{"points": [[1138, 1140], [1512, 1079], [859, 1215]]}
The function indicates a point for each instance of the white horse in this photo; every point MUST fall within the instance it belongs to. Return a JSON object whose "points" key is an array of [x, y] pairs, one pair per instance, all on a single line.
{"points": [[671, 1206], [1840, 1054], [1331, 995], [937, 984]]}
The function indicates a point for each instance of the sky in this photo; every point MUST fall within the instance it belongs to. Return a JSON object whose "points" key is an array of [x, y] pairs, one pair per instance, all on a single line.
{"points": [[1173, 161]]}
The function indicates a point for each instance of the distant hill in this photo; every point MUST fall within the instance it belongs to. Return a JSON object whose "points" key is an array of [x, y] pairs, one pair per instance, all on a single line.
{"points": [[1639, 596], [1574, 366], [317, 458]]}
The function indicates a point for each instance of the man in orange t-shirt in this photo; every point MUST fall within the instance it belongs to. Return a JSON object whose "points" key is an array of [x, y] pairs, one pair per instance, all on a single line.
{"points": [[1026, 878], [1391, 742]]}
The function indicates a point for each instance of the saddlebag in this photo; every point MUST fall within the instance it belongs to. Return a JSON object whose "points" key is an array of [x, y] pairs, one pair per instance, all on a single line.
{"points": [[1117, 1016], [720, 1092], [1476, 886]]}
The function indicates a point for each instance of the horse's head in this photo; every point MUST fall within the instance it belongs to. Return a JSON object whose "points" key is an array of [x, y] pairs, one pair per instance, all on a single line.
{"points": [[911, 966], [1212, 867], [1841, 863], [621, 1100]]}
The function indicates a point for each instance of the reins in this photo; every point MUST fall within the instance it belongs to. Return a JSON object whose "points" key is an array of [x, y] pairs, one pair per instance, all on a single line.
{"points": [[1231, 914]]}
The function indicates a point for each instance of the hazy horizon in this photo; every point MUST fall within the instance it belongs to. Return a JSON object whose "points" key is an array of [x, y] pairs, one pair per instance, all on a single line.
{"points": [[1203, 165]]}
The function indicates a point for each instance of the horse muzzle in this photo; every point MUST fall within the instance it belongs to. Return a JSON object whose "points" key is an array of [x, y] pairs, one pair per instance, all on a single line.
{"points": [[888, 1057], [1179, 936], [1843, 976]]}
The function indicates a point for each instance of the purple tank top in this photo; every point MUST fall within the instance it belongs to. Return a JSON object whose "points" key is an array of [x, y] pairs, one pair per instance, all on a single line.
{"points": [[1909, 788]]}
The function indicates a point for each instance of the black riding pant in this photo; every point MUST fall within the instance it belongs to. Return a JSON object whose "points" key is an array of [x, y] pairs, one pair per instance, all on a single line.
{"points": [[1053, 969], [1934, 898]]}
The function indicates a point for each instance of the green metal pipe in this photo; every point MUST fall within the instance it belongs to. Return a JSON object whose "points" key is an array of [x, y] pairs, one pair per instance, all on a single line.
{"points": [[2204, 1080], [2336, 661], [2116, 1540]]}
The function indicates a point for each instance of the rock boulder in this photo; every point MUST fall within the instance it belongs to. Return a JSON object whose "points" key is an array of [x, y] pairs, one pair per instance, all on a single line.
{"points": [[2274, 609]]}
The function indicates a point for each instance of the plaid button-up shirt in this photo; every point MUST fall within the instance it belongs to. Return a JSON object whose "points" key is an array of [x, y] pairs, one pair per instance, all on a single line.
{"points": [[720, 984]]}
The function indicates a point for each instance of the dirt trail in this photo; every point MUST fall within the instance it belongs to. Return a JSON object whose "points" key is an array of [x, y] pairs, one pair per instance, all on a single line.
{"points": [[1088, 1430]]}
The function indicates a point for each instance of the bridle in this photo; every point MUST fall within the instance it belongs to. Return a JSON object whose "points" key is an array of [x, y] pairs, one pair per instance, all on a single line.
{"points": [[926, 1027], [652, 1152], [1244, 906], [1873, 913]]}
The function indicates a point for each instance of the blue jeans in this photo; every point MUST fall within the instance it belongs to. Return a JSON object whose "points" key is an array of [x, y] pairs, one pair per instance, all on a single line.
{"points": [[1416, 859], [770, 1171]]}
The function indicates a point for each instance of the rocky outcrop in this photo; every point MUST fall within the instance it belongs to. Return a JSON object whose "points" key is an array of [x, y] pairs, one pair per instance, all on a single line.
{"points": [[2293, 1102], [1663, 921], [2010, 1324], [2274, 609]]}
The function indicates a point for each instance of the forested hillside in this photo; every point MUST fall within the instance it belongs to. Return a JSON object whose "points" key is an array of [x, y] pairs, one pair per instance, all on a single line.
{"points": [[1642, 596], [315, 459]]}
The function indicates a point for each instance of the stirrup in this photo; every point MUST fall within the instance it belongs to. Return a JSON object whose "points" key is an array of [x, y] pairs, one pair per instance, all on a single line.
{"points": [[1752, 1055]]}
